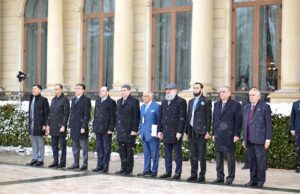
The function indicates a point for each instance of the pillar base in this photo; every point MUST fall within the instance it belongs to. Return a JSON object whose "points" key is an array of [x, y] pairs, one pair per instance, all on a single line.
{"points": [[284, 95]]}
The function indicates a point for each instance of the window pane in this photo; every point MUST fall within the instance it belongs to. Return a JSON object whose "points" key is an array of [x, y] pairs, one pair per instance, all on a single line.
{"points": [[92, 6], [183, 49], [92, 56], [162, 50], [31, 55], [183, 2], [162, 3], [44, 6], [44, 54], [31, 9], [108, 52], [268, 48], [109, 6], [244, 48]]}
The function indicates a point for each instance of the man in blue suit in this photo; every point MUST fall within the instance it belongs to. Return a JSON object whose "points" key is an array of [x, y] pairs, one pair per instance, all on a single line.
{"points": [[148, 133], [257, 132], [295, 129]]}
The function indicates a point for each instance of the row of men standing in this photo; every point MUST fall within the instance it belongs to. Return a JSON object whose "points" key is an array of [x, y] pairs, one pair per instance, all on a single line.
{"points": [[168, 122]]}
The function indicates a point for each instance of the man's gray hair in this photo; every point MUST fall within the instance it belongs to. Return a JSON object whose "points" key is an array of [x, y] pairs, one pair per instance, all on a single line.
{"points": [[256, 91]]}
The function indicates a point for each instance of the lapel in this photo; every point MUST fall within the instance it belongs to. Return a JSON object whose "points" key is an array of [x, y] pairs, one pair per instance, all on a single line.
{"points": [[226, 107], [257, 110], [172, 101]]}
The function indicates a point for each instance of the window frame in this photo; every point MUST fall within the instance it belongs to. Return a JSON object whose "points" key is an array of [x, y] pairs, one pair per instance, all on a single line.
{"points": [[256, 36], [39, 20], [101, 15], [172, 11]]}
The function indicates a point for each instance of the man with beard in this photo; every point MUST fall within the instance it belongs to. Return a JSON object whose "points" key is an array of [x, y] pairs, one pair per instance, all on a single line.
{"points": [[171, 125], [198, 127], [227, 123], [58, 120], [104, 124], [128, 119]]}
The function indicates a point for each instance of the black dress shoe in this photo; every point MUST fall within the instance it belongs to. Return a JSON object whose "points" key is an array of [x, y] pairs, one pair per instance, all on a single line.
{"points": [[250, 184], [74, 166], [228, 183], [31, 163], [83, 167], [260, 185], [153, 174], [191, 179], [121, 171], [218, 181], [53, 165], [126, 173], [97, 169], [144, 173], [176, 177], [165, 175], [39, 163], [201, 179], [105, 170], [61, 166]]}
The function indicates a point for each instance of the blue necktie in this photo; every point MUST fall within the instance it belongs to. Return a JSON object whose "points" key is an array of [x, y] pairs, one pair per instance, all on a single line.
{"points": [[193, 110]]}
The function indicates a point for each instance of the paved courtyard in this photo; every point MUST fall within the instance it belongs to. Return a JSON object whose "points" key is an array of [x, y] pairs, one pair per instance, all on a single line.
{"points": [[16, 177]]}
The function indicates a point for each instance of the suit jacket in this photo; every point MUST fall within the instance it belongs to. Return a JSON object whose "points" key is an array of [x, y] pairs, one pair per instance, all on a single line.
{"points": [[202, 116], [59, 115], [80, 117], [149, 117], [261, 126], [295, 117], [227, 124], [172, 119], [41, 111], [128, 118], [104, 115]]}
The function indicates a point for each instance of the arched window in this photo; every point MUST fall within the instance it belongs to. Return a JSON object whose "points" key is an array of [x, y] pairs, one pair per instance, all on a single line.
{"points": [[256, 44], [171, 43], [35, 39], [98, 43]]}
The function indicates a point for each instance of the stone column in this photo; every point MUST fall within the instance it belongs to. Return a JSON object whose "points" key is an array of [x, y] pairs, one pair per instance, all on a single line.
{"points": [[202, 43], [290, 61], [55, 42], [123, 43]]}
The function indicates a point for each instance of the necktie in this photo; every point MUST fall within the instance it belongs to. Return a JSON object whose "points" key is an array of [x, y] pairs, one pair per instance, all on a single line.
{"points": [[76, 100], [32, 113], [146, 107], [193, 110], [223, 105], [123, 101]]}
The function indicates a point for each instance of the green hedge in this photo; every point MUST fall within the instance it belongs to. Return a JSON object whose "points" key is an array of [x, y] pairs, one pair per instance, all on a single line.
{"points": [[281, 154]]}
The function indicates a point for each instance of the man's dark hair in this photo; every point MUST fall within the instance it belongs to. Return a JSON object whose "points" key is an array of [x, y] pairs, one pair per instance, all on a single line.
{"points": [[38, 86], [81, 84], [127, 86], [60, 86], [201, 85], [107, 89]]}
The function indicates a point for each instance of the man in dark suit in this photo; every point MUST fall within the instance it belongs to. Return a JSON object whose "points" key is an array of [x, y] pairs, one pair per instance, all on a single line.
{"points": [[58, 120], [171, 128], [38, 116], [104, 124], [79, 126], [198, 127], [227, 124], [128, 118], [257, 134], [295, 129], [148, 131]]}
